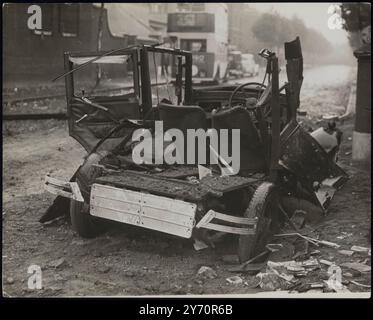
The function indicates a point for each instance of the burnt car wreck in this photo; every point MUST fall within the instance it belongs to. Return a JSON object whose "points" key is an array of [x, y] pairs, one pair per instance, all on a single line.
{"points": [[280, 160]]}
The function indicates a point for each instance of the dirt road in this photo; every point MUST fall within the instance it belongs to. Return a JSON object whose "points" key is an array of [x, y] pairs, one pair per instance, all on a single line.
{"points": [[130, 261]]}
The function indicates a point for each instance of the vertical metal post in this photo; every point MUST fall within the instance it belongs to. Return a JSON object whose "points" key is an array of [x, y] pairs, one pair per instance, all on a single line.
{"points": [[69, 87], [361, 141], [69, 83], [275, 125], [146, 90], [179, 80], [99, 42], [135, 67], [188, 80]]}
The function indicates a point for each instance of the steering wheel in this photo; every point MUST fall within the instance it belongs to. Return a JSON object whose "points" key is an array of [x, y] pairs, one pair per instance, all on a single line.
{"points": [[240, 87]]}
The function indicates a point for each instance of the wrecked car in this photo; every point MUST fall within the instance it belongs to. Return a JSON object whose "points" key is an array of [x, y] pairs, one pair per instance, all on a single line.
{"points": [[279, 159]]}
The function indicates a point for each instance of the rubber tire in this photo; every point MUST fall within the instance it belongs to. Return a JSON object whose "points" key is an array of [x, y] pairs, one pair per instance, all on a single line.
{"points": [[82, 222], [264, 198]]}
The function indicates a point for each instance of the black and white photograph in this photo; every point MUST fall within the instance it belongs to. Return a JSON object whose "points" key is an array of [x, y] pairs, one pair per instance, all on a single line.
{"points": [[186, 149]]}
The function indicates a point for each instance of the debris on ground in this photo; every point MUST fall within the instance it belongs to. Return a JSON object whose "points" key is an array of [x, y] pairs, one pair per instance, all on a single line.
{"points": [[275, 246], [199, 245], [344, 235], [336, 286], [326, 262], [315, 252], [56, 263], [207, 273], [328, 244], [360, 249], [296, 234], [295, 267], [271, 281], [360, 284], [235, 280], [346, 252], [249, 268], [357, 266]]}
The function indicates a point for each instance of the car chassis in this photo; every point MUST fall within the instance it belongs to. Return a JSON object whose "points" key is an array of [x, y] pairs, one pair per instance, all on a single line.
{"points": [[279, 159]]}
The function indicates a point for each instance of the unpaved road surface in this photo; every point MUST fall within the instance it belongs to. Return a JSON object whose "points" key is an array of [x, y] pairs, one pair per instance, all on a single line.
{"points": [[131, 261]]}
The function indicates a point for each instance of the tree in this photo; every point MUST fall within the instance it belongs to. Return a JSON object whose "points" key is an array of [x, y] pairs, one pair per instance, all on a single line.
{"points": [[273, 30], [356, 15], [356, 19], [265, 29]]}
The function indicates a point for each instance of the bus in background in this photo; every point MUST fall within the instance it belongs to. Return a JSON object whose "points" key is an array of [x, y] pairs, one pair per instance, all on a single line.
{"points": [[249, 66], [201, 28]]}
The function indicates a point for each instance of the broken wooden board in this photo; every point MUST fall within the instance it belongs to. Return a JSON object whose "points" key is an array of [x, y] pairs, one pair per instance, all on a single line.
{"points": [[357, 266]]}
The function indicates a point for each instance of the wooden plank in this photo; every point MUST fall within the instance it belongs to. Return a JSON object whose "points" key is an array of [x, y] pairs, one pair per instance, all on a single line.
{"points": [[57, 182], [63, 188], [234, 219], [76, 191], [228, 229], [211, 214], [205, 219]]}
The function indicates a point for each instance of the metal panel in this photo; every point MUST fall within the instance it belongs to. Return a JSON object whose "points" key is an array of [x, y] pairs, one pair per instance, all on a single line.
{"points": [[146, 210], [205, 222], [63, 188]]}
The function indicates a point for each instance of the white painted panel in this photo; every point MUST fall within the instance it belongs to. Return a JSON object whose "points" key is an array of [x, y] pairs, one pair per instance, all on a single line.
{"points": [[167, 227], [149, 211], [116, 205]]}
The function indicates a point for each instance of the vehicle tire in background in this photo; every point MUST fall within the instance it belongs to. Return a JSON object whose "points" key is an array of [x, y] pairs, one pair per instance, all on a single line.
{"points": [[82, 222], [264, 206]]}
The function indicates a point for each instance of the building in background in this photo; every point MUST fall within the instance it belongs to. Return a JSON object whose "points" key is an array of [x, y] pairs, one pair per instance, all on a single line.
{"points": [[145, 21], [203, 29], [158, 20], [34, 57]]}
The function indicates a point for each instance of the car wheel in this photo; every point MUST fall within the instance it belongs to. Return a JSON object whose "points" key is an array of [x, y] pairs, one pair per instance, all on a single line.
{"points": [[82, 222], [263, 206]]}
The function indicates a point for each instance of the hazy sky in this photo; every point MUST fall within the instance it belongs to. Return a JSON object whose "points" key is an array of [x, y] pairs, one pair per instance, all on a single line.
{"points": [[314, 15]]}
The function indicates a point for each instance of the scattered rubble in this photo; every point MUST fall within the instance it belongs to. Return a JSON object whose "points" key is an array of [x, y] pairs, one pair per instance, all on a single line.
{"points": [[235, 280], [360, 249], [271, 281], [207, 273], [346, 252], [56, 263], [357, 266], [326, 262], [336, 286], [298, 273], [360, 284], [344, 235], [199, 245]]}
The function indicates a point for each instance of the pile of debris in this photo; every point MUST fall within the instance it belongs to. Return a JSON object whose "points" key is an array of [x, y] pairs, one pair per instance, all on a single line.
{"points": [[306, 271]]}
